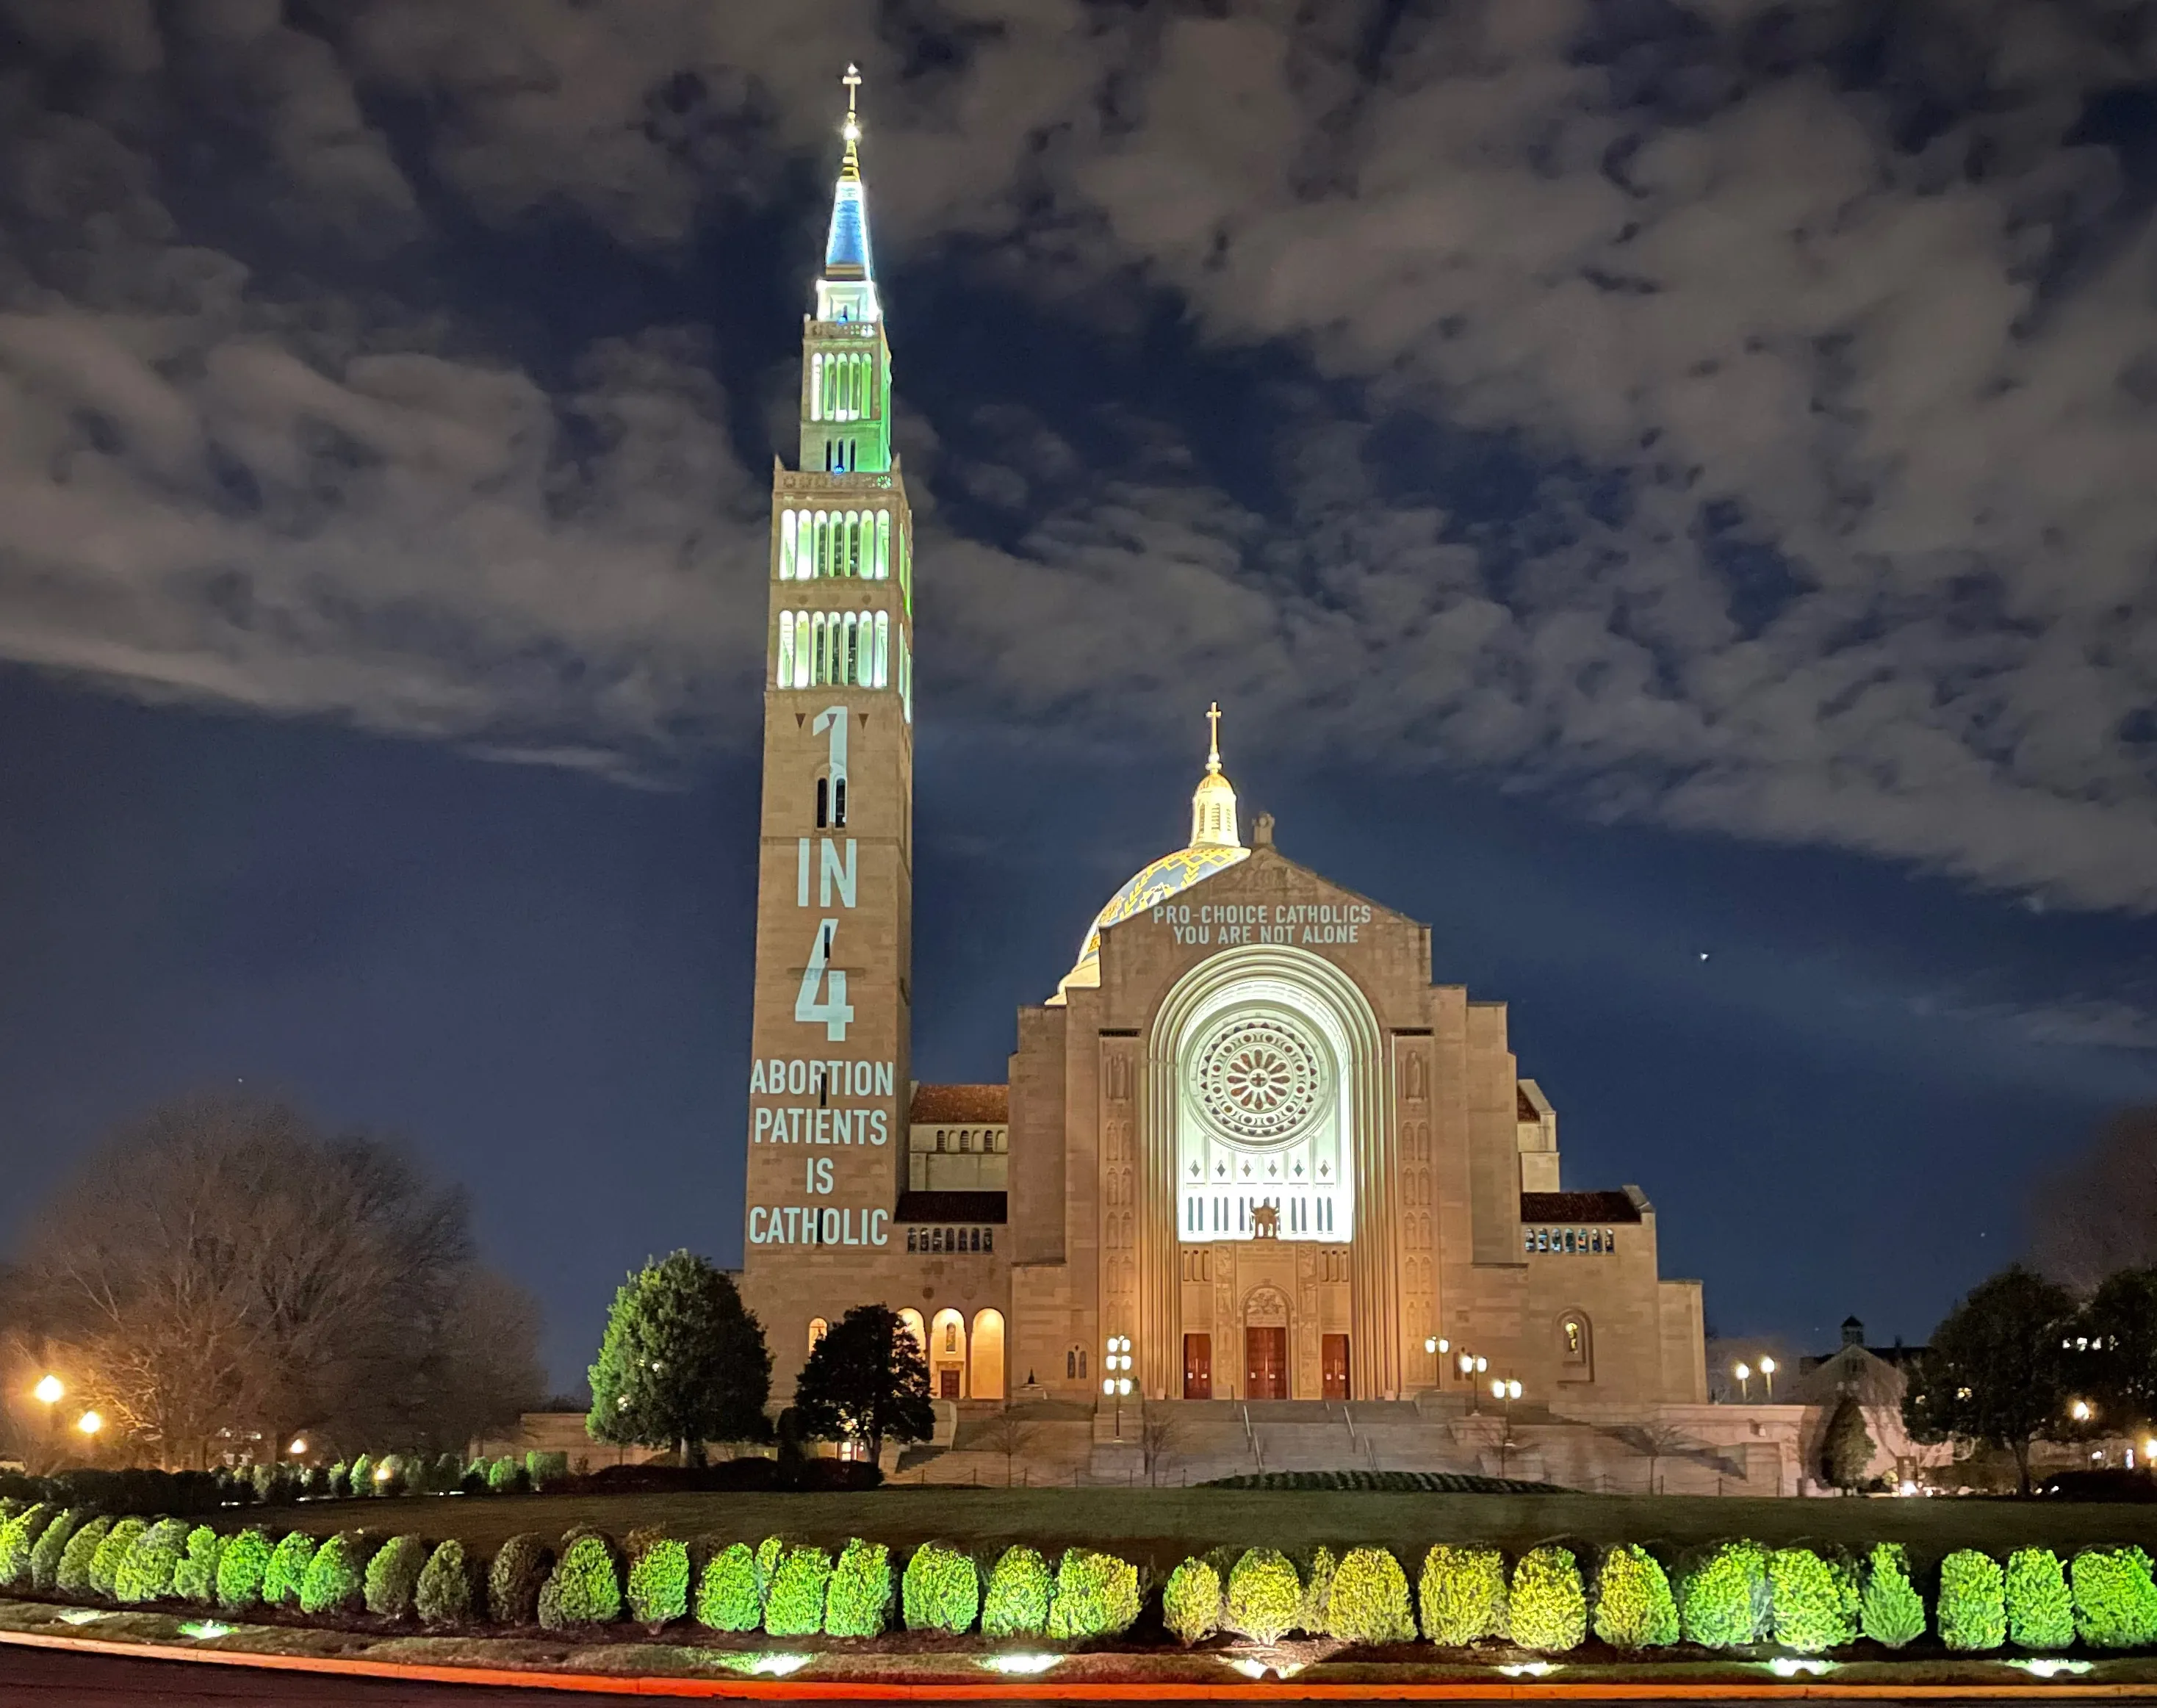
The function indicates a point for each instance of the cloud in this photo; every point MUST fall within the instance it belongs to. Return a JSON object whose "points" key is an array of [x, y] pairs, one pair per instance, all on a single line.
{"points": [[1804, 358]]}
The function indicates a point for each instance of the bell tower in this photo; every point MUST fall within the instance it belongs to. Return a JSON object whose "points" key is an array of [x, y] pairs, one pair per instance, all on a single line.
{"points": [[831, 1026]]}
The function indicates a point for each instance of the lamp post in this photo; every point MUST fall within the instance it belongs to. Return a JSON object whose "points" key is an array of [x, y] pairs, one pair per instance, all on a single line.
{"points": [[1507, 1390], [1117, 1356], [1743, 1372], [1436, 1347], [48, 1390], [1767, 1376], [1471, 1366], [89, 1423]]}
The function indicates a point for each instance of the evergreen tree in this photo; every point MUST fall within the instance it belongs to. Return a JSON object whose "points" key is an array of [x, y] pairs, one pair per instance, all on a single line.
{"points": [[865, 1380], [2121, 1325], [683, 1361], [1847, 1450], [1993, 1375]]}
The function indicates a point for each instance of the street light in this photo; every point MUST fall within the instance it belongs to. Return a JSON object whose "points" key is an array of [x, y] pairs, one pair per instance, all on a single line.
{"points": [[1504, 1389], [298, 1447], [1743, 1372], [1117, 1357], [89, 1423], [2080, 1411], [50, 1389], [1767, 1376]]}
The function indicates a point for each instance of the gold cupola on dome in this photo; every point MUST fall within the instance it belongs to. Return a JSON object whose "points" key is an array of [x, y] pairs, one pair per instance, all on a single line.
{"points": [[1213, 804]]}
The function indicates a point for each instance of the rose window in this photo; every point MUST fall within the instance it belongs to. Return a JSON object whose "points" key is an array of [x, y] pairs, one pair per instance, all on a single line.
{"points": [[1258, 1082]]}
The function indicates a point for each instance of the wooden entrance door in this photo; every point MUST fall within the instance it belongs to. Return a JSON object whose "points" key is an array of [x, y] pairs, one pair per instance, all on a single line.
{"points": [[1265, 1364], [1197, 1366], [1335, 1355], [947, 1382]]}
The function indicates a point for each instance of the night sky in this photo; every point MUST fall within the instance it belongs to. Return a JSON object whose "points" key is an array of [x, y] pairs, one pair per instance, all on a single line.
{"points": [[1664, 495]]}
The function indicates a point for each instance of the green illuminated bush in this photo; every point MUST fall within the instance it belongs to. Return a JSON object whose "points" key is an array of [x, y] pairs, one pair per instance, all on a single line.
{"points": [[504, 1476], [585, 1586], [391, 1475], [769, 1553], [72, 1576], [2115, 1602], [794, 1606], [1722, 1596], [545, 1470], [336, 1582], [730, 1594], [515, 1578], [287, 1570], [393, 1577], [18, 1535], [1890, 1611], [240, 1568], [1368, 1602], [1264, 1598], [112, 1554], [941, 1590], [857, 1602], [1191, 1603], [1633, 1606], [659, 1582], [1097, 1595], [2041, 1612], [1317, 1591], [194, 1579], [1019, 1589], [1549, 1603], [146, 1575], [1461, 1595], [45, 1554], [1973, 1611], [360, 1475], [1815, 1600], [446, 1595]]}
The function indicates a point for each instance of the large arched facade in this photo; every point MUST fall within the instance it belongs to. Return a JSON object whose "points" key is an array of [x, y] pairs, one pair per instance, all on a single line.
{"points": [[1265, 1142]]}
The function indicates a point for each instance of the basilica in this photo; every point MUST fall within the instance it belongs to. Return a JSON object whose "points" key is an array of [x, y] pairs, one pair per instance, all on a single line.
{"points": [[1249, 1148]]}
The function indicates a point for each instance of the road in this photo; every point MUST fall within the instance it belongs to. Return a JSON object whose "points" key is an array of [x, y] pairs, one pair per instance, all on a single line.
{"points": [[42, 1678]]}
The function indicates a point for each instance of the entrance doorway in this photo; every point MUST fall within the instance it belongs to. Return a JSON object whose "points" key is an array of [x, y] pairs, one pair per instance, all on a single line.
{"points": [[947, 1382], [1197, 1366], [1333, 1353], [1265, 1363]]}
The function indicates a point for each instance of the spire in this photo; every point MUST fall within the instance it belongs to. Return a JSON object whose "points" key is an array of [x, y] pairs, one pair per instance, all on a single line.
{"points": [[847, 256], [1213, 805]]}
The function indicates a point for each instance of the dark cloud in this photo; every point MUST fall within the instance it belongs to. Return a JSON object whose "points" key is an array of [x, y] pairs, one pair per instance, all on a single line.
{"points": [[1803, 344]]}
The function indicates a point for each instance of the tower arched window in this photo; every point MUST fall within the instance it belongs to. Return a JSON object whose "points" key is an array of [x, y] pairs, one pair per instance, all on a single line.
{"points": [[823, 802], [839, 804], [786, 677], [816, 387], [882, 570]]}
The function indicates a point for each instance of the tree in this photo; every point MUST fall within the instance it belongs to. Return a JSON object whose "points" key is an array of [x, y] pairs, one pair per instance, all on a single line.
{"points": [[683, 1361], [220, 1265], [865, 1380], [1993, 1375], [2120, 1323], [1658, 1441], [1846, 1449], [1157, 1442], [2097, 1214], [1009, 1435]]}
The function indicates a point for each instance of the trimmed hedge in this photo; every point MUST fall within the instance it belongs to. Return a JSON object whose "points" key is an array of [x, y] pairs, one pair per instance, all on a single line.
{"points": [[1384, 1482], [45, 1554], [18, 1535], [393, 1577], [1368, 1599], [584, 1587], [730, 1593], [1191, 1602], [658, 1590], [1972, 1610], [287, 1570], [445, 1595], [1549, 1602], [2040, 1611], [941, 1590], [515, 1579], [146, 1575], [1890, 1611], [1813, 1600], [1633, 1606], [112, 1554], [1265, 1599], [240, 1571], [1317, 1591], [2115, 1602], [336, 1582], [1097, 1595], [72, 1576], [794, 1606], [1020, 1588], [194, 1579], [1461, 1595], [857, 1600], [1724, 1597]]}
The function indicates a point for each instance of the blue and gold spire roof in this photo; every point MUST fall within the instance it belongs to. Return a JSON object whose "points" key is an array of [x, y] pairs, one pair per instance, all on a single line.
{"points": [[1215, 847], [846, 254]]}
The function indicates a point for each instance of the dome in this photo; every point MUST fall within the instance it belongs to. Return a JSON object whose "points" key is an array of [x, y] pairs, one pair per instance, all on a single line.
{"points": [[1215, 846]]}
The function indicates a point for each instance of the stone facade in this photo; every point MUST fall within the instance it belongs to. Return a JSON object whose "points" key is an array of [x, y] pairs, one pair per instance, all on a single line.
{"points": [[1249, 1149]]}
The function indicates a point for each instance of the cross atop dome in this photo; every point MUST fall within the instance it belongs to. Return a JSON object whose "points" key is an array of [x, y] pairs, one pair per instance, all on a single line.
{"points": [[1213, 806]]}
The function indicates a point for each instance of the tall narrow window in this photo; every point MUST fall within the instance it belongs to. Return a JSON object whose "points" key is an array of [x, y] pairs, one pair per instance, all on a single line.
{"points": [[816, 387], [823, 802], [905, 569], [839, 804], [786, 649], [848, 675], [905, 678], [882, 570], [786, 533], [820, 671], [801, 643], [881, 675]]}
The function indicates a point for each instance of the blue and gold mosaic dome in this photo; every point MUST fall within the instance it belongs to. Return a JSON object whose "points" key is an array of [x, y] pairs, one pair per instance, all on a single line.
{"points": [[1215, 846]]}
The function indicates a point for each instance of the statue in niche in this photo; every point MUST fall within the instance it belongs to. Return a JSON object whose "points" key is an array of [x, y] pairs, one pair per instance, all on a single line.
{"points": [[1265, 1222], [1412, 1076]]}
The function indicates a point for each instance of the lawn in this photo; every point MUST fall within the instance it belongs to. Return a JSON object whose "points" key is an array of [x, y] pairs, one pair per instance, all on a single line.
{"points": [[1158, 1527]]}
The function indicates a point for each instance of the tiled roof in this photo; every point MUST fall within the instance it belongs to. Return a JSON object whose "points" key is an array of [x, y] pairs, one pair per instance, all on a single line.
{"points": [[1578, 1207], [952, 1207], [989, 1104]]}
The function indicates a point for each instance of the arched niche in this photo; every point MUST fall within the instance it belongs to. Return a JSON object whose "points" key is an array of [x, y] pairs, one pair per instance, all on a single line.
{"points": [[985, 1372]]}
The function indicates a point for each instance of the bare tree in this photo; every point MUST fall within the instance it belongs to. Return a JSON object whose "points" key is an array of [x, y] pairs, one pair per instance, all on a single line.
{"points": [[1156, 1441], [218, 1270], [1008, 1434], [1659, 1442], [2097, 1214]]}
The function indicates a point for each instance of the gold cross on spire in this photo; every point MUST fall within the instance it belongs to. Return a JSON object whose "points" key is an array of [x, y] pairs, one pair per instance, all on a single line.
{"points": [[1213, 737], [850, 167], [852, 79]]}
